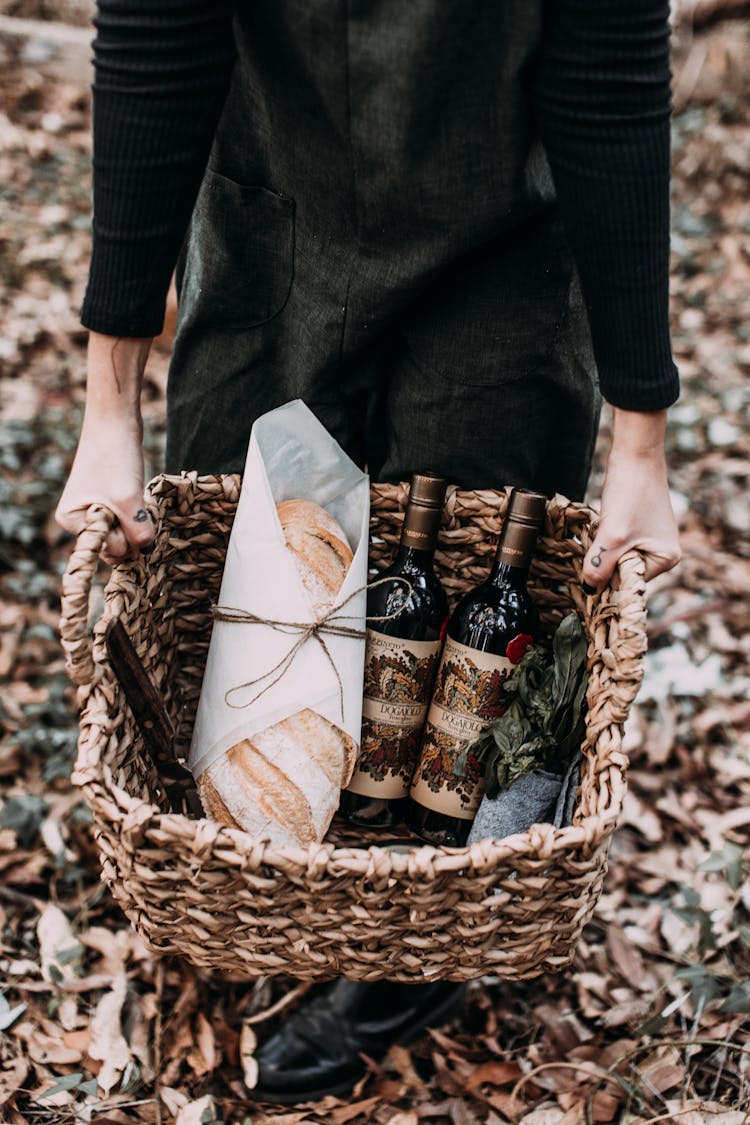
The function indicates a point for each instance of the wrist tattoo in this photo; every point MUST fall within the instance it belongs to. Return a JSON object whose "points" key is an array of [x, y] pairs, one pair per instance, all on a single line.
{"points": [[141, 515], [597, 559]]}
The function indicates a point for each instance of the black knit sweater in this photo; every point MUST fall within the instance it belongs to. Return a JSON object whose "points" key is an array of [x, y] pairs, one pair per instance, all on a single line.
{"points": [[601, 100]]}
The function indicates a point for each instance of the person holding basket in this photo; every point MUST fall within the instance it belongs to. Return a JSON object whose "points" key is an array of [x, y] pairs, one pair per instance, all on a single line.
{"points": [[444, 225]]}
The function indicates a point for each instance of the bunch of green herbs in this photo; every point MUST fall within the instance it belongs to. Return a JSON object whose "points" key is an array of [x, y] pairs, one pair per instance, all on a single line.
{"points": [[544, 723]]}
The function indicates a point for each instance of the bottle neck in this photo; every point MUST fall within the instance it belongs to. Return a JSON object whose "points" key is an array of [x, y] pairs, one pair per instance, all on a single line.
{"points": [[413, 558], [514, 554], [504, 574], [419, 532]]}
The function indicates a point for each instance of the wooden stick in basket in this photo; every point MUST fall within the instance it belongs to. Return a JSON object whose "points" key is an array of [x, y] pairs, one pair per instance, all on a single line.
{"points": [[151, 716]]}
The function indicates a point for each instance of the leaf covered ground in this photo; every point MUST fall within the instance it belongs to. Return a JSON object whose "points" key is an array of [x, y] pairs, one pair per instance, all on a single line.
{"points": [[652, 1023]]}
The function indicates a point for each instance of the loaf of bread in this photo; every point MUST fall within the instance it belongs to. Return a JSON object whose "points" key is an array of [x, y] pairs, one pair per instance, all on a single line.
{"points": [[283, 783], [319, 548]]}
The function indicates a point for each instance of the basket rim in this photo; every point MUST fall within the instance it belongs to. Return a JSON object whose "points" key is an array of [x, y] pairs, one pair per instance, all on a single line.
{"points": [[540, 841], [455, 497]]}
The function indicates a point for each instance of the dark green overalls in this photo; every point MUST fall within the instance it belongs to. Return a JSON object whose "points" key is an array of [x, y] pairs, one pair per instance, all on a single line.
{"points": [[377, 234]]}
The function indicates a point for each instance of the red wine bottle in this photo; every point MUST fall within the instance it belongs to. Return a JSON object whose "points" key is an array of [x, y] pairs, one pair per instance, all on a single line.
{"points": [[486, 635], [406, 610]]}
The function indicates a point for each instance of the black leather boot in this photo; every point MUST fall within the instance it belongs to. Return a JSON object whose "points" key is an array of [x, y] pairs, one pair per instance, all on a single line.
{"points": [[317, 1051]]}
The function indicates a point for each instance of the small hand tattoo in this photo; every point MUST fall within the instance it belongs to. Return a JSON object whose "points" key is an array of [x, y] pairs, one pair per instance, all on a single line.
{"points": [[141, 515], [597, 559]]}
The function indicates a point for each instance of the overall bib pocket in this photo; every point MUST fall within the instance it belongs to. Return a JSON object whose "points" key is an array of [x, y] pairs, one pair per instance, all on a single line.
{"points": [[239, 257]]}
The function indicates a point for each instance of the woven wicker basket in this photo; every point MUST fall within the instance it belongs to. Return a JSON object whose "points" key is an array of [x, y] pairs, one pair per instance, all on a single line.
{"points": [[226, 902]]}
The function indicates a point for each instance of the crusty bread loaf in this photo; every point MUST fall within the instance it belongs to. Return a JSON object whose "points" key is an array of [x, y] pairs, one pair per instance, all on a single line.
{"points": [[331, 747], [319, 547], [283, 783], [213, 806]]}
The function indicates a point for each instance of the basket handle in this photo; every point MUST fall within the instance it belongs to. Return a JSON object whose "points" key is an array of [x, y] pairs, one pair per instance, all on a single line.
{"points": [[631, 642], [76, 588], [632, 568]]}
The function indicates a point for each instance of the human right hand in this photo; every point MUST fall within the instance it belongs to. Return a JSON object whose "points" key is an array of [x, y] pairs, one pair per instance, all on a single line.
{"points": [[636, 511], [108, 464]]}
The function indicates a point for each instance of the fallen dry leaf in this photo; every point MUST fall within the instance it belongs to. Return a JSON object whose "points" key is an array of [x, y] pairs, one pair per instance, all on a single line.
{"points": [[576, 1115], [342, 1114], [59, 950], [107, 1042], [173, 1099], [49, 1049], [12, 1075], [545, 1115], [494, 1074], [248, 1043], [78, 1040], [203, 1058], [399, 1058], [196, 1112]]}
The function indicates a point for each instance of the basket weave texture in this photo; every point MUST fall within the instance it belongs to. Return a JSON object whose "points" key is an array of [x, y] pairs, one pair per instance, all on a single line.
{"points": [[349, 906]]}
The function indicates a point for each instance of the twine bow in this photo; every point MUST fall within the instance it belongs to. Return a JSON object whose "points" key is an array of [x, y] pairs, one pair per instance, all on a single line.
{"points": [[329, 625]]}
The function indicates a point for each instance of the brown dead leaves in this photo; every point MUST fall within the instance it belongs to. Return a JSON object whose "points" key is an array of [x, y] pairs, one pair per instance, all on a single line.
{"points": [[92, 1028]]}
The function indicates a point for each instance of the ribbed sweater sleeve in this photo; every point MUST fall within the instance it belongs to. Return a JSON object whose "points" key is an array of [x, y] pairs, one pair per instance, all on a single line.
{"points": [[161, 73], [601, 95]]}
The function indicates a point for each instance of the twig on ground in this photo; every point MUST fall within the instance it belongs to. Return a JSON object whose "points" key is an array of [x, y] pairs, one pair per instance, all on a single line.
{"points": [[281, 1004]]}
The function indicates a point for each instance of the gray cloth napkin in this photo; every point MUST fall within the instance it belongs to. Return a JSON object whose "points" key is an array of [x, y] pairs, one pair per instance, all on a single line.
{"points": [[537, 798]]}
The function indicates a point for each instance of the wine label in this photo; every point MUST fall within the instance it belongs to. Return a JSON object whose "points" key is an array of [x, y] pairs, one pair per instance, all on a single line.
{"points": [[399, 676], [467, 698]]}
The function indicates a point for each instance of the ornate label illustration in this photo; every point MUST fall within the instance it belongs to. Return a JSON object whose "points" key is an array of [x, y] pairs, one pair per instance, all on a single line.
{"points": [[398, 680], [467, 698]]}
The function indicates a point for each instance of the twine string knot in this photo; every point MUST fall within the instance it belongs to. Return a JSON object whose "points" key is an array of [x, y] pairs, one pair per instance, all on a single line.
{"points": [[331, 624]]}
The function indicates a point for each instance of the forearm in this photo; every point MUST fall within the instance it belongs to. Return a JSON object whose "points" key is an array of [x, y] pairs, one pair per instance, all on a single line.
{"points": [[108, 465], [639, 434], [115, 366]]}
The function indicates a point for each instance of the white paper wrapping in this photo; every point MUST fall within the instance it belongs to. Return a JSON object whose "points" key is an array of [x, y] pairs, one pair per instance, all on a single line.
{"points": [[291, 456]]}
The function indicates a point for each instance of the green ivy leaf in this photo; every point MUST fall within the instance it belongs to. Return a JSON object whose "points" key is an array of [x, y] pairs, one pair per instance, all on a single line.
{"points": [[208, 1117], [729, 861], [652, 1026], [55, 975], [703, 984], [67, 1082], [23, 814], [131, 1077], [70, 955], [691, 897], [738, 999], [734, 865]]}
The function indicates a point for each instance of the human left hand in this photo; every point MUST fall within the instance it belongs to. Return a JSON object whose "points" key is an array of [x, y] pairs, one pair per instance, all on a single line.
{"points": [[636, 511]]}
